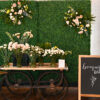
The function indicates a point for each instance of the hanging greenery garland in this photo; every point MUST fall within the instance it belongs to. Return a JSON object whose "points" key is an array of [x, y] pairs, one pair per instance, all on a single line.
{"points": [[18, 10], [76, 19]]}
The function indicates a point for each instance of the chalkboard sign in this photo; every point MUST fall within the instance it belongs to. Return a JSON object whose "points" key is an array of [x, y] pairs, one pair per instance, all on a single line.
{"points": [[89, 76]]}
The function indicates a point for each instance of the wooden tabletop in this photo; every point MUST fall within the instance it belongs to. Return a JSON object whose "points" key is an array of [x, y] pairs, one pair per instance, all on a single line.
{"points": [[46, 66], [34, 69]]}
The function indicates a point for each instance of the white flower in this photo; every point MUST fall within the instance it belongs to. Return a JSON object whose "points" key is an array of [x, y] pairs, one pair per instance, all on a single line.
{"points": [[67, 22], [87, 25], [20, 12], [5, 45], [1, 47], [27, 46], [80, 32], [14, 45], [28, 33], [11, 17], [76, 12], [76, 21], [12, 10], [22, 46], [10, 14], [14, 5], [68, 11], [16, 34]]}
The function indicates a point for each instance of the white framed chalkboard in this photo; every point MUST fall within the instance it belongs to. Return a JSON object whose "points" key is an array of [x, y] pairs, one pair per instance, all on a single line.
{"points": [[89, 76]]}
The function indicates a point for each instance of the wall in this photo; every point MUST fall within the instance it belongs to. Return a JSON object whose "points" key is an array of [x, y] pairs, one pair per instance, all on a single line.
{"points": [[48, 25], [95, 33]]}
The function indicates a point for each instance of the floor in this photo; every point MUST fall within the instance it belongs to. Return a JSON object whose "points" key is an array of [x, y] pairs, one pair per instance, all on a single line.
{"points": [[71, 95]]}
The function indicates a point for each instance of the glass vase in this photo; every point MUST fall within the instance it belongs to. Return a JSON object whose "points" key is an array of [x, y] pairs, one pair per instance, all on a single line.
{"points": [[6, 62], [53, 62], [19, 60], [33, 60], [40, 61]]}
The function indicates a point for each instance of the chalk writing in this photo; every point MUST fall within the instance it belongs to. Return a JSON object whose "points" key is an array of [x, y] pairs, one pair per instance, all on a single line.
{"points": [[95, 69], [93, 80]]}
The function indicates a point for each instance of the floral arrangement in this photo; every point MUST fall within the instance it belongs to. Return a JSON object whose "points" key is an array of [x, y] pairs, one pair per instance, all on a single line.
{"points": [[18, 46], [5, 54], [17, 12], [55, 53], [35, 52], [76, 19], [22, 41]]}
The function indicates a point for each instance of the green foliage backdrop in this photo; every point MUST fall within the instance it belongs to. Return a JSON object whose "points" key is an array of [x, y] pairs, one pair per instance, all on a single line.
{"points": [[48, 25]]}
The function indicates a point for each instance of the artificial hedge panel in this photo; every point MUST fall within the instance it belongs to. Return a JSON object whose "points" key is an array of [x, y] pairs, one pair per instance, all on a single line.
{"points": [[48, 25], [52, 28]]}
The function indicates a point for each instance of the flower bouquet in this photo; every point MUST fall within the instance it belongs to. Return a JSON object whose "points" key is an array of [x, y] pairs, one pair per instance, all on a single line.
{"points": [[54, 54], [5, 54], [76, 19], [35, 52], [17, 12], [19, 47]]}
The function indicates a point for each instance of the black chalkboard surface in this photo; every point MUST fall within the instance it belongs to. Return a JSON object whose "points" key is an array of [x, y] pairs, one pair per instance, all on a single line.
{"points": [[89, 76]]}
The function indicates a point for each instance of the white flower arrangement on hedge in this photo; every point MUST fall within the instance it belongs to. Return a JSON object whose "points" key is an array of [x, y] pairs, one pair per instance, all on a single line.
{"points": [[76, 19], [17, 12]]}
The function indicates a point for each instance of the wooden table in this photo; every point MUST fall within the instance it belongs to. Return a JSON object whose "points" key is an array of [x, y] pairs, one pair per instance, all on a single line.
{"points": [[52, 84]]}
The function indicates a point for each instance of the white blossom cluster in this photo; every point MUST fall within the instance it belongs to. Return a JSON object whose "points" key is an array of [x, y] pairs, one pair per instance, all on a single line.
{"points": [[53, 51], [28, 34], [3, 46], [36, 50], [25, 34], [73, 18], [15, 46], [18, 11]]}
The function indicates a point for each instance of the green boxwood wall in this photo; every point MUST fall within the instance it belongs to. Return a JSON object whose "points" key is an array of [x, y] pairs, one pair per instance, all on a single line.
{"points": [[48, 25]]}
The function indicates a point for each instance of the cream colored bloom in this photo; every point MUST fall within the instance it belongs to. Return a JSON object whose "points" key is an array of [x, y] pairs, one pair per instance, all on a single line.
{"points": [[80, 32], [87, 25], [67, 22], [20, 12], [14, 5]]}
